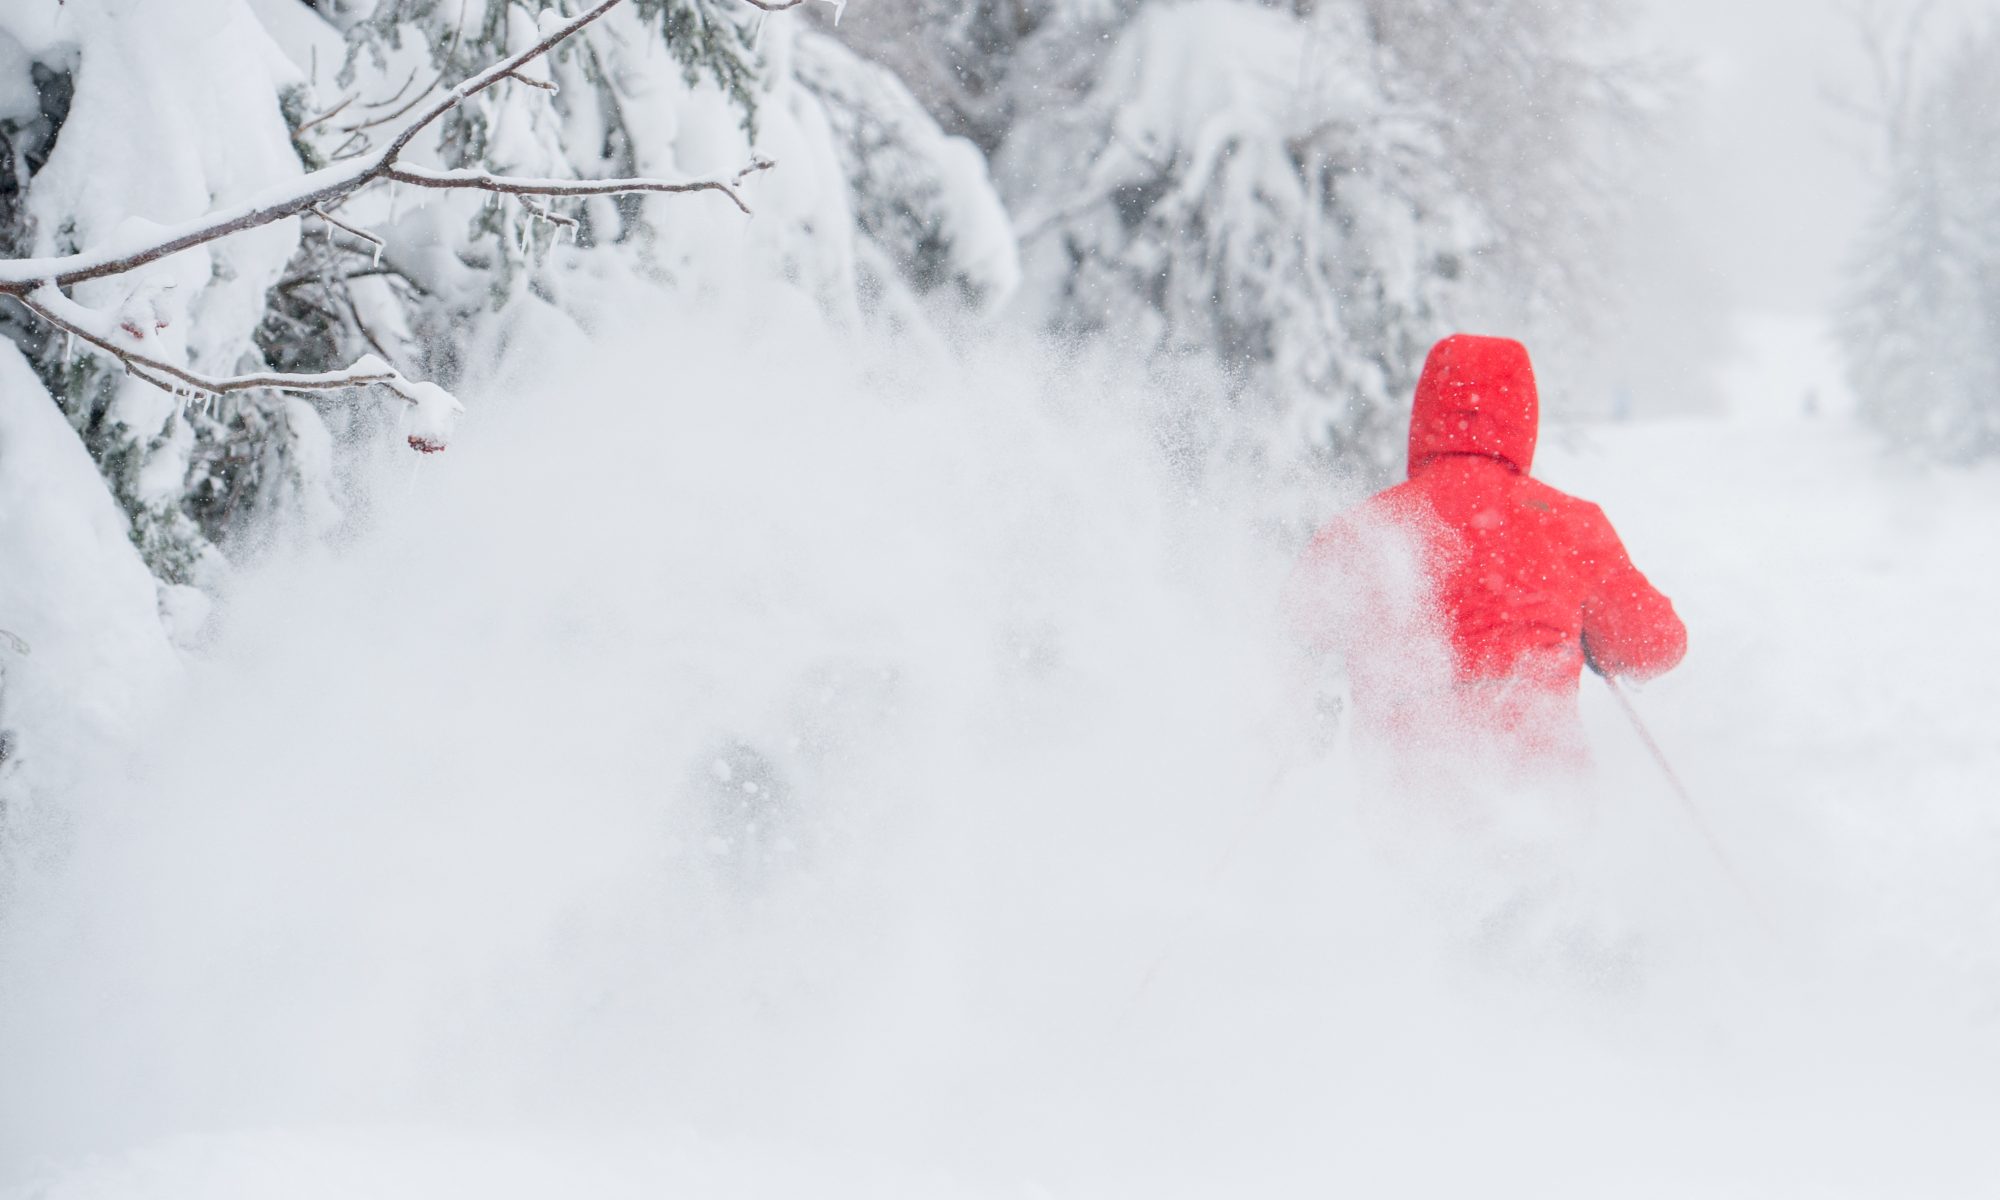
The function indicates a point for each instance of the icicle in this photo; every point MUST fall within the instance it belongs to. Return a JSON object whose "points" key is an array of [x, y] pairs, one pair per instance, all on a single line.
{"points": [[378, 256], [69, 348]]}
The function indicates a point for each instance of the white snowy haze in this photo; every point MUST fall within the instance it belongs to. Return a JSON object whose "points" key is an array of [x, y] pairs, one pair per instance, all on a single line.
{"points": [[821, 793], [1750, 199], [808, 737]]}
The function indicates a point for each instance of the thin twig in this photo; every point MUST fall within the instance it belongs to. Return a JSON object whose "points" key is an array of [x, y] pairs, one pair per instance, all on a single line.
{"points": [[510, 185], [399, 91], [367, 334], [328, 115], [546, 85], [457, 31], [554, 218], [293, 282], [363, 234], [354, 146], [50, 305], [386, 118]]}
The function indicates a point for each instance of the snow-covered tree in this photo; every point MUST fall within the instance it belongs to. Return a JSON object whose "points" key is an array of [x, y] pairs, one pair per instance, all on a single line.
{"points": [[1922, 329], [1293, 200], [243, 243], [446, 208], [110, 129], [922, 198], [981, 66]]}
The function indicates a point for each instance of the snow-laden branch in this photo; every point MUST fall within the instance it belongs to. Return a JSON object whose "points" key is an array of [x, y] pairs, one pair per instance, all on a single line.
{"points": [[372, 239], [516, 185], [38, 283], [135, 249], [325, 187], [135, 346]]}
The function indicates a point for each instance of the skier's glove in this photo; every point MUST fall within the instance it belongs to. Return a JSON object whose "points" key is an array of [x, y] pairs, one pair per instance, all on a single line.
{"points": [[1590, 660]]}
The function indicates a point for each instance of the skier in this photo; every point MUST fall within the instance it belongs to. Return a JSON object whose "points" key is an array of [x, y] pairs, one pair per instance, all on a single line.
{"points": [[1466, 600]]}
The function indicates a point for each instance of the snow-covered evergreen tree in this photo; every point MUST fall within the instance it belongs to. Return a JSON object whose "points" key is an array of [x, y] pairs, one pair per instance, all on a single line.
{"points": [[982, 66], [122, 115], [115, 115], [1922, 330], [1293, 199], [922, 198], [140, 141]]}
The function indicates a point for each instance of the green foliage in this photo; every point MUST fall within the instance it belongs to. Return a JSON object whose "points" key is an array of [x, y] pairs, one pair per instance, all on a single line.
{"points": [[716, 39], [172, 543], [295, 105]]}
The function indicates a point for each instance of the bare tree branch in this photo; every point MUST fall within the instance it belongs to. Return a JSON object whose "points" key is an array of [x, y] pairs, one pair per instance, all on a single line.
{"points": [[399, 92], [494, 74], [390, 117], [542, 213], [522, 186], [356, 143], [328, 115], [48, 303], [373, 240], [546, 85], [433, 409], [1891, 49], [22, 275]]}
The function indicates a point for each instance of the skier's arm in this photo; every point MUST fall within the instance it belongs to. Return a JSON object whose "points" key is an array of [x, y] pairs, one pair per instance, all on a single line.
{"points": [[1629, 627]]}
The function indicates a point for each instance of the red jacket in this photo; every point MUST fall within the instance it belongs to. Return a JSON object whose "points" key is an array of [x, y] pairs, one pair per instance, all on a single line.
{"points": [[1515, 580]]}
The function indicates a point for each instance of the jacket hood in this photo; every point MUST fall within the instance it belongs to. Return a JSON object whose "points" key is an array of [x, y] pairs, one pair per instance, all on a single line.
{"points": [[1476, 396]]}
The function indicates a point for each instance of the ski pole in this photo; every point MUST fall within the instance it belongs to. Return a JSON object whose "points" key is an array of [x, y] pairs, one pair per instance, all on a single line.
{"points": [[1688, 806]]}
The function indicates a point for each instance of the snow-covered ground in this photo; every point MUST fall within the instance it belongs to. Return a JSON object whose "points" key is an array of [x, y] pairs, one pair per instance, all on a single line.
{"points": [[437, 877]]}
